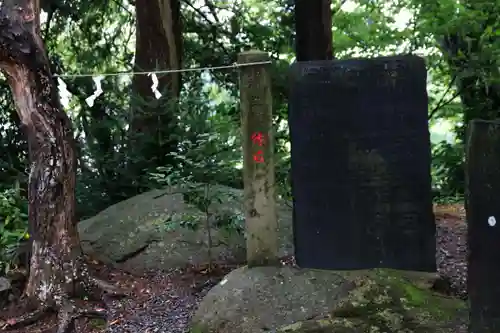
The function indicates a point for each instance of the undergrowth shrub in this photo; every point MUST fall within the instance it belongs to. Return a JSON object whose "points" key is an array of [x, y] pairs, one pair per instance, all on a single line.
{"points": [[13, 227]]}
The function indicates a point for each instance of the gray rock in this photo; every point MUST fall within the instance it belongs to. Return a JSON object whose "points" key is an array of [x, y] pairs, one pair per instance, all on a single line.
{"points": [[5, 291], [139, 233], [4, 284], [273, 299]]}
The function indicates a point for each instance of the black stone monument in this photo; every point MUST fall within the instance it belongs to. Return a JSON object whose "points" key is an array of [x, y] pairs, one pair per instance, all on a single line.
{"points": [[360, 150], [483, 223]]}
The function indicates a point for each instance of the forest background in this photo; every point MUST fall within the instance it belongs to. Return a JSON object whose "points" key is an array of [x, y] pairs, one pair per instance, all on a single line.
{"points": [[129, 141]]}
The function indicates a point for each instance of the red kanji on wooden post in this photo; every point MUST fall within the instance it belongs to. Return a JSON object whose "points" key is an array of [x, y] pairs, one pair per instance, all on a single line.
{"points": [[258, 139], [257, 157], [261, 223]]}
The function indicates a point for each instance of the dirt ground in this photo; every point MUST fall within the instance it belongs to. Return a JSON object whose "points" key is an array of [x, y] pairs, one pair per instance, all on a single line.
{"points": [[164, 302]]}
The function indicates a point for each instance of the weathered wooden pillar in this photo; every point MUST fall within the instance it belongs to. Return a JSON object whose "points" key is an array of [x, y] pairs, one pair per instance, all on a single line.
{"points": [[483, 217], [258, 162]]}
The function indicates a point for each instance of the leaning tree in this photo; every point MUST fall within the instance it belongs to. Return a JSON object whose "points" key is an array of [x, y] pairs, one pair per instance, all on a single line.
{"points": [[59, 276]]}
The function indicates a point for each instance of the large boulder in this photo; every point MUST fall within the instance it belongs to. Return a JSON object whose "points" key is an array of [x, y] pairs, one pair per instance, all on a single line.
{"points": [[286, 299], [151, 231]]}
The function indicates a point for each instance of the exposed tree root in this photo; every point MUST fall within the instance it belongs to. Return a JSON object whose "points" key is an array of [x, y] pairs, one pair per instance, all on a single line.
{"points": [[25, 319], [68, 310], [108, 287]]}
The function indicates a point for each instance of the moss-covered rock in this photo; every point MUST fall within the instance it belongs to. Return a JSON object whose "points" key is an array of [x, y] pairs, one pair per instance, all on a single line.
{"points": [[143, 233], [300, 300]]}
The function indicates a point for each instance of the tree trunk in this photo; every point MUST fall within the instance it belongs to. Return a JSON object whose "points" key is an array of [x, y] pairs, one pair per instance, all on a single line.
{"points": [[313, 30], [58, 272], [483, 187], [158, 47]]}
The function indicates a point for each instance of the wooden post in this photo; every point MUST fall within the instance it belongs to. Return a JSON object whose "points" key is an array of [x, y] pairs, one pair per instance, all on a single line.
{"points": [[483, 219], [258, 162]]}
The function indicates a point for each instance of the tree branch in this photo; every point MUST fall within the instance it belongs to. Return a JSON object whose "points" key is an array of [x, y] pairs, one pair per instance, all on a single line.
{"points": [[337, 9], [214, 27], [442, 102], [211, 7]]}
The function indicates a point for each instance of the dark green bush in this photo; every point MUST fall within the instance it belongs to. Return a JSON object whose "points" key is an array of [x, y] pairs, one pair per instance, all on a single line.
{"points": [[13, 227]]}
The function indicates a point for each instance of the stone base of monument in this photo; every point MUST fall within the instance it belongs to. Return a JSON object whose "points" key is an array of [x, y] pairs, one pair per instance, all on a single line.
{"points": [[286, 299]]}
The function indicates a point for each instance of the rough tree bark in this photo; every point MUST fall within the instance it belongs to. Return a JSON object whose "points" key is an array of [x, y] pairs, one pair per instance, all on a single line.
{"points": [[59, 276]]}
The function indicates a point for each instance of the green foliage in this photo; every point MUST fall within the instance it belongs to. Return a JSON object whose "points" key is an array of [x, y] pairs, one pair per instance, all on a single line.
{"points": [[208, 156], [231, 221], [199, 138], [209, 149], [283, 177], [13, 227], [448, 170]]}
